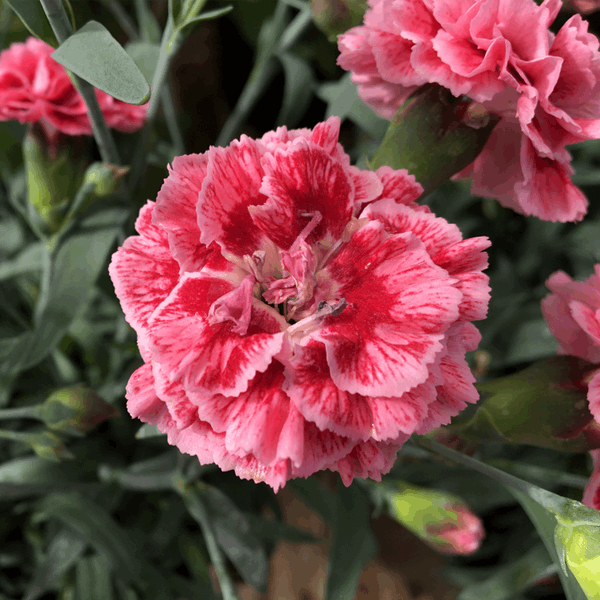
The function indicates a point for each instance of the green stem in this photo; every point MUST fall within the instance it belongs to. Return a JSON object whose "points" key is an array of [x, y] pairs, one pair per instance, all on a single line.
{"points": [[122, 18], [23, 412], [62, 30], [262, 73], [171, 42], [168, 107]]}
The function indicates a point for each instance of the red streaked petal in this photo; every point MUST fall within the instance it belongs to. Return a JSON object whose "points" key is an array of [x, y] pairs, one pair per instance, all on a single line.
{"points": [[253, 421], [462, 259], [211, 358], [369, 460], [367, 187], [232, 184], [143, 272], [399, 185], [176, 210], [176, 401], [399, 305], [457, 388], [302, 180], [593, 396], [142, 401], [311, 389]]}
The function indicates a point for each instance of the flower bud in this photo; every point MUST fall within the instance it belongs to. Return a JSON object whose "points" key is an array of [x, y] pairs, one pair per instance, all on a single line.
{"points": [[442, 520], [75, 410]]}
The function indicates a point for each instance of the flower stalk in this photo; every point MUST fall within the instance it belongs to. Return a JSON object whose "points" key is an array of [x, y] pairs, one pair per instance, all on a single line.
{"points": [[62, 29]]}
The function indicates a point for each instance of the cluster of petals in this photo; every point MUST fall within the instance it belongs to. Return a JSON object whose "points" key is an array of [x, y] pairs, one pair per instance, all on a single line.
{"points": [[296, 313], [572, 312], [501, 54], [35, 88]]}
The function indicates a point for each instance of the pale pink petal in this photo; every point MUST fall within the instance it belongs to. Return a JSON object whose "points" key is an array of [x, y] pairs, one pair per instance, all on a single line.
{"points": [[399, 304], [392, 56], [176, 401], [367, 187], [547, 191], [588, 319], [143, 272], [142, 401], [301, 182], [414, 19], [593, 396], [232, 184], [211, 358], [176, 208]]}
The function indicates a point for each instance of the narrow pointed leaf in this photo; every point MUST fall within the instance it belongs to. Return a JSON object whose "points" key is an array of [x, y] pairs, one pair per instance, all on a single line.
{"points": [[94, 54], [34, 18], [353, 543]]}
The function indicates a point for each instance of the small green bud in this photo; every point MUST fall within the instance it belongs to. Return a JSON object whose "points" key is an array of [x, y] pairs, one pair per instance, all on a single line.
{"points": [[75, 410]]}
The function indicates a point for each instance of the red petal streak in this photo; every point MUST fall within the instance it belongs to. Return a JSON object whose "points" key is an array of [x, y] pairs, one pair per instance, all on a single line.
{"points": [[399, 185], [143, 272], [301, 181], [399, 306], [312, 390], [175, 211], [231, 185], [211, 358]]}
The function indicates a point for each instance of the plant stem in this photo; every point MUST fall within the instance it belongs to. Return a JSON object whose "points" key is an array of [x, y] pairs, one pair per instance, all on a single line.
{"points": [[168, 107], [23, 412], [62, 30], [170, 44]]}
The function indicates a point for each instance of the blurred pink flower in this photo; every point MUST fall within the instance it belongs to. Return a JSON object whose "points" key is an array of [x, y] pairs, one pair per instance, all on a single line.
{"points": [[546, 87], [591, 494], [461, 536], [585, 6], [35, 88], [572, 312], [296, 313]]}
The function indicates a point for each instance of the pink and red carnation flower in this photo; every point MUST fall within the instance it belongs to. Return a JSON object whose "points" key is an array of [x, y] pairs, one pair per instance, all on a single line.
{"points": [[572, 312], [296, 313], [35, 88], [501, 54]]}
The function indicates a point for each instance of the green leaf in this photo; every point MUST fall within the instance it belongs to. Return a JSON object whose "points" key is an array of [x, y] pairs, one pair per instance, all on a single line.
{"points": [[64, 550], [148, 431], [77, 264], [96, 526], [298, 90], [149, 28], [94, 54], [570, 531], [145, 56], [93, 579], [343, 100], [236, 537], [353, 543], [34, 18], [511, 579], [26, 261]]}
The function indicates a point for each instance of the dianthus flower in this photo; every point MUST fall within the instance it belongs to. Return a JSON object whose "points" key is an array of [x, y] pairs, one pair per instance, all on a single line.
{"points": [[572, 313], [296, 313], [591, 494], [502, 55], [35, 88]]}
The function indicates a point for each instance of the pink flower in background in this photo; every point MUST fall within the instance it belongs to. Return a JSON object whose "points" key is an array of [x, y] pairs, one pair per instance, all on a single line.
{"points": [[546, 87], [35, 88], [296, 313], [585, 6], [460, 535], [572, 313], [591, 494]]}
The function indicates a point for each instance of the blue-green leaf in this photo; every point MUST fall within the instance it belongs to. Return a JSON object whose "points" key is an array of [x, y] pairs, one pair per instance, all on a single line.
{"points": [[94, 54], [34, 18]]}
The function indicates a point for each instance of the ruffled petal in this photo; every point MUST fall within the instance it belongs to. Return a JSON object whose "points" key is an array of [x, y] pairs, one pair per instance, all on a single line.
{"points": [[176, 208], [399, 304], [300, 182], [143, 272], [232, 184], [211, 358]]}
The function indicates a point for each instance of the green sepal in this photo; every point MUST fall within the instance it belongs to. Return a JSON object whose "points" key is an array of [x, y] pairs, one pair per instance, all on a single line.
{"points": [[433, 137], [52, 177], [544, 405]]}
